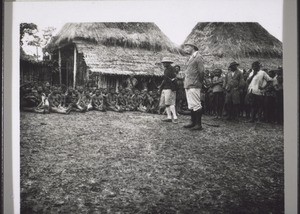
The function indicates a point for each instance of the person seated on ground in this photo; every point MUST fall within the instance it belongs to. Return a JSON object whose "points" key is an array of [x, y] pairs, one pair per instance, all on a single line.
{"points": [[146, 100], [151, 108], [130, 106], [55, 102], [92, 90], [67, 97], [81, 105], [112, 100], [42, 100], [25, 90], [156, 97], [124, 100], [121, 99], [143, 100], [27, 98], [47, 89], [135, 99], [89, 89], [98, 101], [104, 93], [87, 100], [72, 99]]}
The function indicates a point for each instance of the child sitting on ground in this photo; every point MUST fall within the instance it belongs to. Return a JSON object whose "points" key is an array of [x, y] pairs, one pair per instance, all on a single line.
{"points": [[98, 101]]}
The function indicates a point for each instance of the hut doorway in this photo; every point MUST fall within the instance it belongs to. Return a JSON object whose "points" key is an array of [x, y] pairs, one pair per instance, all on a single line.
{"points": [[67, 73]]}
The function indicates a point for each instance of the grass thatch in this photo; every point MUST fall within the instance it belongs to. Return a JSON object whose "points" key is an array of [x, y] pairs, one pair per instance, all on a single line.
{"points": [[120, 48], [212, 62], [224, 42], [143, 35], [115, 60]]}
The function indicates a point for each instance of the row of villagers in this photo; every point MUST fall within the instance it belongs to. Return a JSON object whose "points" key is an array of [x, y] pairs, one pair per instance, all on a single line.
{"points": [[107, 54]]}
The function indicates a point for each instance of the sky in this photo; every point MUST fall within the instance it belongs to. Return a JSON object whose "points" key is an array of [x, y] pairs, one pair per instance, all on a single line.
{"points": [[175, 18]]}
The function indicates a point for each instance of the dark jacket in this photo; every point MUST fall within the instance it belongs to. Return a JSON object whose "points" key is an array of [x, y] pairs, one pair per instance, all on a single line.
{"points": [[168, 83], [233, 80]]}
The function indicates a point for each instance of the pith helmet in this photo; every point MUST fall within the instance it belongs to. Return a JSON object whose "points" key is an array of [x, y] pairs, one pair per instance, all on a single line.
{"points": [[167, 59], [192, 44]]}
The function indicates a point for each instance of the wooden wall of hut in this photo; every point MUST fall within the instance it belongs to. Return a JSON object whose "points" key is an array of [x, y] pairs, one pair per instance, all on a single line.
{"points": [[67, 67], [108, 81], [82, 76], [35, 72], [119, 81]]}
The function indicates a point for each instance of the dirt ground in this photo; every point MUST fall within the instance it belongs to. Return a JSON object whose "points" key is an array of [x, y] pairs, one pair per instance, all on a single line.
{"points": [[132, 162]]}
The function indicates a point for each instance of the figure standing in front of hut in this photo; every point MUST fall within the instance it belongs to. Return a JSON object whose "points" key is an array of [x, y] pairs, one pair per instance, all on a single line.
{"points": [[193, 82], [258, 80], [168, 90], [218, 95], [232, 84]]}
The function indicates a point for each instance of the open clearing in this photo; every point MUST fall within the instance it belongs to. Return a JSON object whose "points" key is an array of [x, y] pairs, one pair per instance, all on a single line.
{"points": [[132, 162]]}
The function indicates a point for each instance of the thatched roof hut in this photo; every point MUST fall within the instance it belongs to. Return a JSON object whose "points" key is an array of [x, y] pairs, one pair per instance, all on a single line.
{"points": [[224, 42], [117, 48], [110, 50]]}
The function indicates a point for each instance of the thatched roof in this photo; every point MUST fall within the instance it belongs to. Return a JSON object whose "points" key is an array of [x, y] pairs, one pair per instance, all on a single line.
{"points": [[115, 60], [223, 42], [143, 35], [122, 48]]}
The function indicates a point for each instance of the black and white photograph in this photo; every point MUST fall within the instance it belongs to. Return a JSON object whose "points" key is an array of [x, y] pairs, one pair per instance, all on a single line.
{"points": [[159, 107]]}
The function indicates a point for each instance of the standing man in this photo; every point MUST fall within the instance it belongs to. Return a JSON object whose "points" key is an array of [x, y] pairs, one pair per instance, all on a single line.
{"points": [[193, 82], [168, 90], [232, 84], [258, 80], [218, 96]]}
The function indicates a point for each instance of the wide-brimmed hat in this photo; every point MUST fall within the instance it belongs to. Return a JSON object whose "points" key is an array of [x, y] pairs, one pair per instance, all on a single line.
{"points": [[166, 59], [233, 64], [192, 44]]}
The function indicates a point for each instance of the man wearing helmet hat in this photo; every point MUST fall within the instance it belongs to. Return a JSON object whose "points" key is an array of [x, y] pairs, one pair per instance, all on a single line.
{"points": [[168, 90], [193, 81]]}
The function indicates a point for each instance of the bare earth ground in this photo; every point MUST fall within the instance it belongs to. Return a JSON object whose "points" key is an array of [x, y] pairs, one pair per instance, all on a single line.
{"points": [[134, 163]]}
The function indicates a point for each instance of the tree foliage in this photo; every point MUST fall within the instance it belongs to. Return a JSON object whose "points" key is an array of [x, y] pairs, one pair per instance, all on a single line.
{"points": [[30, 35], [28, 28]]}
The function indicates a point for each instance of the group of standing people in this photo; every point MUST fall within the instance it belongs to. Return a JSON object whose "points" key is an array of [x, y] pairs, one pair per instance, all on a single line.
{"points": [[257, 93]]}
